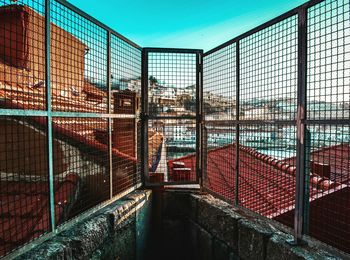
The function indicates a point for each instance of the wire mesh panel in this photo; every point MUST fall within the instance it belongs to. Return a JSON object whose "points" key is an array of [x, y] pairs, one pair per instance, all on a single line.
{"points": [[268, 72], [220, 156], [219, 102], [125, 66], [22, 55], [81, 159], [77, 160], [124, 154], [328, 88], [126, 91], [172, 87], [219, 84], [329, 148], [328, 104], [172, 84], [24, 187], [78, 62], [266, 171], [172, 150]]}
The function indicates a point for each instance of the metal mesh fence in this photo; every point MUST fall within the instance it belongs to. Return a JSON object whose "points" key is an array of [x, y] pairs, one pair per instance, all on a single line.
{"points": [[22, 66], [172, 107], [328, 61], [172, 80], [68, 138], [220, 166], [78, 62], [82, 160], [266, 180], [219, 103], [292, 129], [172, 147], [268, 72], [328, 114], [125, 102], [24, 189], [329, 178], [276, 106]]}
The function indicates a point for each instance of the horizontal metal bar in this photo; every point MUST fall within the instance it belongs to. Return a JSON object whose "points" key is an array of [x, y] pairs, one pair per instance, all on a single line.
{"points": [[149, 184], [264, 25], [220, 122], [250, 122], [92, 115], [20, 112], [171, 117], [327, 122], [97, 22], [266, 122], [172, 50]]}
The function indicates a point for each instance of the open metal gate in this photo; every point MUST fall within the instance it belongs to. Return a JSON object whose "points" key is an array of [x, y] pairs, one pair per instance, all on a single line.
{"points": [[171, 118]]}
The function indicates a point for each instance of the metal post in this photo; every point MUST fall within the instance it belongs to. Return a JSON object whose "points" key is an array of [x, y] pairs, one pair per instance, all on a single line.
{"points": [[49, 112], [199, 118], [237, 126], [307, 181], [301, 116], [144, 118], [109, 111]]}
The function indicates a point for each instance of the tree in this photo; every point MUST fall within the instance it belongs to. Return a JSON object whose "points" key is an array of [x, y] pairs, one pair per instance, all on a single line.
{"points": [[153, 81]]}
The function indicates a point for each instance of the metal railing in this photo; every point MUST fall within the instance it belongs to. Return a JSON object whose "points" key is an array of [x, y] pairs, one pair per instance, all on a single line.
{"points": [[273, 138], [276, 103], [68, 129]]}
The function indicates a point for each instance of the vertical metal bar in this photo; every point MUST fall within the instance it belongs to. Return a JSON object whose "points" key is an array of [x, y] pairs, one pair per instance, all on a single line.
{"points": [[109, 111], [307, 181], [237, 125], [199, 118], [49, 112], [301, 116], [144, 118]]}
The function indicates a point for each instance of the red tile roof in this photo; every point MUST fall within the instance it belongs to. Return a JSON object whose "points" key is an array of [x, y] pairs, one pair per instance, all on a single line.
{"points": [[18, 95], [337, 157], [24, 209], [329, 218], [266, 185]]}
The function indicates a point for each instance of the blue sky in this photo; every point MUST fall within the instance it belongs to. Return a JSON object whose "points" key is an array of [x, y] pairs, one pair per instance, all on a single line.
{"points": [[202, 24]]}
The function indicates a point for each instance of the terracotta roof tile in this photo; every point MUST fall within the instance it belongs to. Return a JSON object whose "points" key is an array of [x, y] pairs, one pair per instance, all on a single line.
{"points": [[25, 214], [266, 185]]}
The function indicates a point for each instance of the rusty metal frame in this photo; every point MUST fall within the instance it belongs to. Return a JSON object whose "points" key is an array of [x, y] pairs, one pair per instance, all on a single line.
{"points": [[301, 218], [145, 115], [301, 204]]}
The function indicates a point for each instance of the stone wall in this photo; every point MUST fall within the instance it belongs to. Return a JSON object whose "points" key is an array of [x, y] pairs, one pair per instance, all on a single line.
{"points": [[117, 231], [169, 224], [199, 226]]}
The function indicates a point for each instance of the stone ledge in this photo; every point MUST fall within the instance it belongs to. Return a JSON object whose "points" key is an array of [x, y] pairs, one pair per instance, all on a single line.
{"points": [[278, 249], [83, 238], [248, 235], [252, 239], [218, 217]]}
